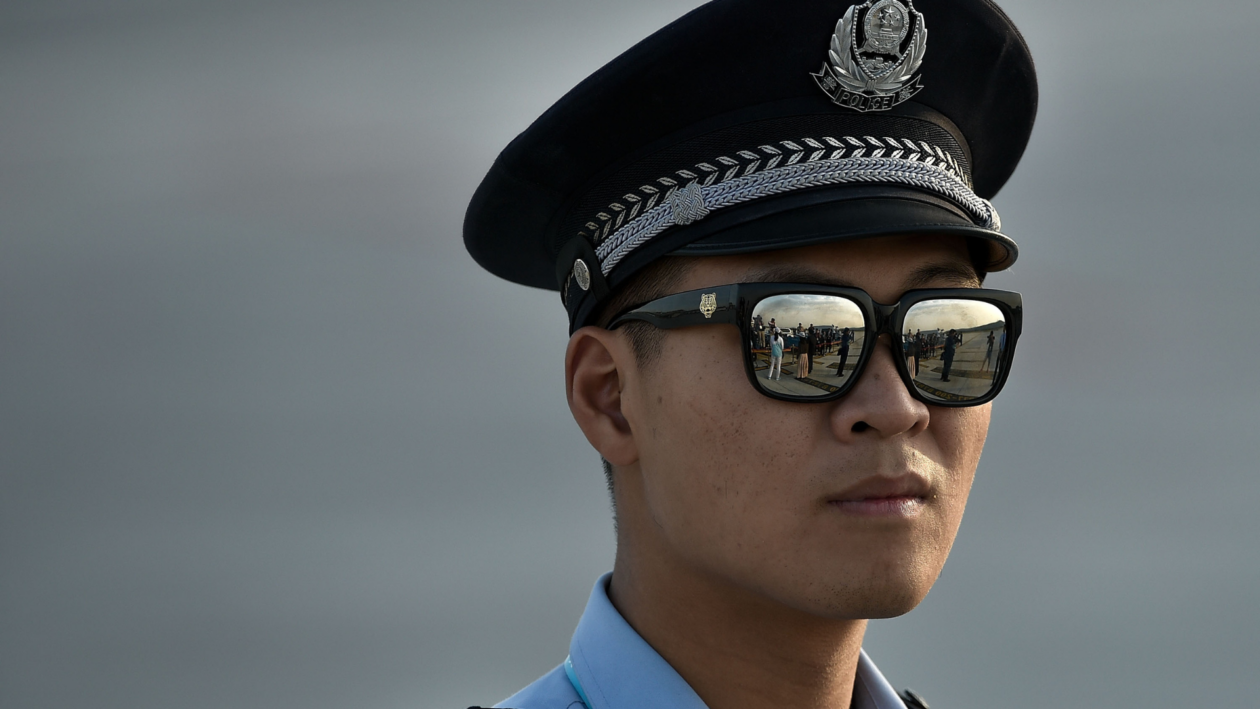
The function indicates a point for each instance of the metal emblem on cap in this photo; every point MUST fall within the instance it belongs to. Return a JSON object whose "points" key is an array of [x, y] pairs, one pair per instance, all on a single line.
{"points": [[879, 72], [708, 305], [582, 273]]}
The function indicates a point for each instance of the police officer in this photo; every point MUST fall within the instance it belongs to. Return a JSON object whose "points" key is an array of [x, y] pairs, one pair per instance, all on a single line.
{"points": [[754, 161]]}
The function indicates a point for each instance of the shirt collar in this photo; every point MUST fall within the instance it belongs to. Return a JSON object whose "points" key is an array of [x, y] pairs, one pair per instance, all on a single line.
{"points": [[619, 670]]}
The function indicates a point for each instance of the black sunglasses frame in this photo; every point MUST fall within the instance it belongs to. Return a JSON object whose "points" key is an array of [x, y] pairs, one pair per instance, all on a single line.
{"points": [[734, 304]]}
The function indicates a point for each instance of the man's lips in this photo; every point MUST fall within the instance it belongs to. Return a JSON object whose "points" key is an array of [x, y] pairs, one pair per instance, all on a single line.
{"points": [[900, 496]]}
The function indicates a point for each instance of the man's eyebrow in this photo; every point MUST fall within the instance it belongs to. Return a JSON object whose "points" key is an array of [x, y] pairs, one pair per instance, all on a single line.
{"points": [[949, 274], [953, 274]]}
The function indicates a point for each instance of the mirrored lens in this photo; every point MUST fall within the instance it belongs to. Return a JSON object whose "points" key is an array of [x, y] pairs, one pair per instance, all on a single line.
{"points": [[953, 347], [806, 345]]}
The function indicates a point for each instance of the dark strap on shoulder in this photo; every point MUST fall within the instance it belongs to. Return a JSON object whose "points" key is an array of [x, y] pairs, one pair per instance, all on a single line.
{"points": [[910, 697]]}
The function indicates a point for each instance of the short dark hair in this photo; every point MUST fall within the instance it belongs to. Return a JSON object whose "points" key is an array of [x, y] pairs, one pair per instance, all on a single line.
{"points": [[612, 496], [656, 280]]}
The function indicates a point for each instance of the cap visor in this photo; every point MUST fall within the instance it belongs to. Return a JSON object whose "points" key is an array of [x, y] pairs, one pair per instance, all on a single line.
{"points": [[840, 215]]}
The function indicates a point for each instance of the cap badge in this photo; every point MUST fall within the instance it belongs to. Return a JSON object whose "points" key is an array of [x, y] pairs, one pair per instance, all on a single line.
{"points": [[582, 273], [875, 51], [708, 305]]}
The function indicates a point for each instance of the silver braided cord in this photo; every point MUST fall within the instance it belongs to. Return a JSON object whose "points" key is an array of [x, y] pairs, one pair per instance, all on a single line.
{"points": [[701, 199], [765, 157]]}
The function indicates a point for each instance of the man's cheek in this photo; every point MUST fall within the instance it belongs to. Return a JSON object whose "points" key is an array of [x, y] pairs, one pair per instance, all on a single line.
{"points": [[975, 429], [960, 435]]}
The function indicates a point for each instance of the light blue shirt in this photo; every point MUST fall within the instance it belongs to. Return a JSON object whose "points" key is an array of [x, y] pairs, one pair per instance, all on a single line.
{"points": [[617, 669]]}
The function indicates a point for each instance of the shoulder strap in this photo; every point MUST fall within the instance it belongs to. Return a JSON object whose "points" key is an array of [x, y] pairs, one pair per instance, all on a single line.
{"points": [[910, 697]]}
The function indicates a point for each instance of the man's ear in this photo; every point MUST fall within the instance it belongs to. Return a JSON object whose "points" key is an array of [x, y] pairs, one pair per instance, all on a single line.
{"points": [[596, 368]]}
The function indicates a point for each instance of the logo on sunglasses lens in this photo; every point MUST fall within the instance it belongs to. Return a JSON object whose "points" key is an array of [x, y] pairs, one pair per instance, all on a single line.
{"points": [[708, 304]]}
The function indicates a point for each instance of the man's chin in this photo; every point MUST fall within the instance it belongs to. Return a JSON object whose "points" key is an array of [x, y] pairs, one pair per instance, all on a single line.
{"points": [[847, 601]]}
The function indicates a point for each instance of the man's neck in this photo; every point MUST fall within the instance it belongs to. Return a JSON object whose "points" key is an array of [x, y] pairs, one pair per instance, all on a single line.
{"points": [[737, 649]]}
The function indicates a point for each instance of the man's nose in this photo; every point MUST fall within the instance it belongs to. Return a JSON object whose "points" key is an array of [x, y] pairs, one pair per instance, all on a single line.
{"points": [[879, 403]]}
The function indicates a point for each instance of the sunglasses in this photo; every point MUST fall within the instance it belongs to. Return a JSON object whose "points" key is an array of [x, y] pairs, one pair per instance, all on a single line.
{"points": [[801, 342]]}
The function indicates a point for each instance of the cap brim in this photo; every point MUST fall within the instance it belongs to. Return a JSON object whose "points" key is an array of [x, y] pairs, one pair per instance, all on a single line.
{"points": [[843, 215]]}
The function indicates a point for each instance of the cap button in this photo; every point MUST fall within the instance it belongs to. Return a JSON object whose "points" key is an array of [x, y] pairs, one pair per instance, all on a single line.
{"points": [[582, 274]]}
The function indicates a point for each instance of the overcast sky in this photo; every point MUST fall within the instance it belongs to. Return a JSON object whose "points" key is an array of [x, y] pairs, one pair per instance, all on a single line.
{"points": [[269, 438]]}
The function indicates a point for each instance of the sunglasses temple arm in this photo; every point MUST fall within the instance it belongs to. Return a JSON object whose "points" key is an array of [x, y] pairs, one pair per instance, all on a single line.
{"points": [[707, 306]]}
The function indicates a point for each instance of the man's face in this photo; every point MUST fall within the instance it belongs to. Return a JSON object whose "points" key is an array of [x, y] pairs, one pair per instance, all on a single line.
{"points": [[844, 509]]}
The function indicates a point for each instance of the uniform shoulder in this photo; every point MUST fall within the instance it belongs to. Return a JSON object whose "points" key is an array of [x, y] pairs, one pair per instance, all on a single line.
{"points": [[551, 691]]}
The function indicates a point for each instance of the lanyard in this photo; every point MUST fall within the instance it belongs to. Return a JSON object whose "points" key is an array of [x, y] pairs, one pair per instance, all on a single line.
{"points": [[573, 680]]}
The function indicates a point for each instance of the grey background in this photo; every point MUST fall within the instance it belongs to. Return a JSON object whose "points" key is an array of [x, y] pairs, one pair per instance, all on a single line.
{"points": [[268, 438]]}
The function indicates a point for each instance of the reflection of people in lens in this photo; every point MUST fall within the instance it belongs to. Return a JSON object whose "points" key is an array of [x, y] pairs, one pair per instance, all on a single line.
{"points": [[803, 352], [846, 336], [988, 353], [776, 356], [1001, 344], [951, 343], [815, 344], [920, 344], [912, 354]]}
